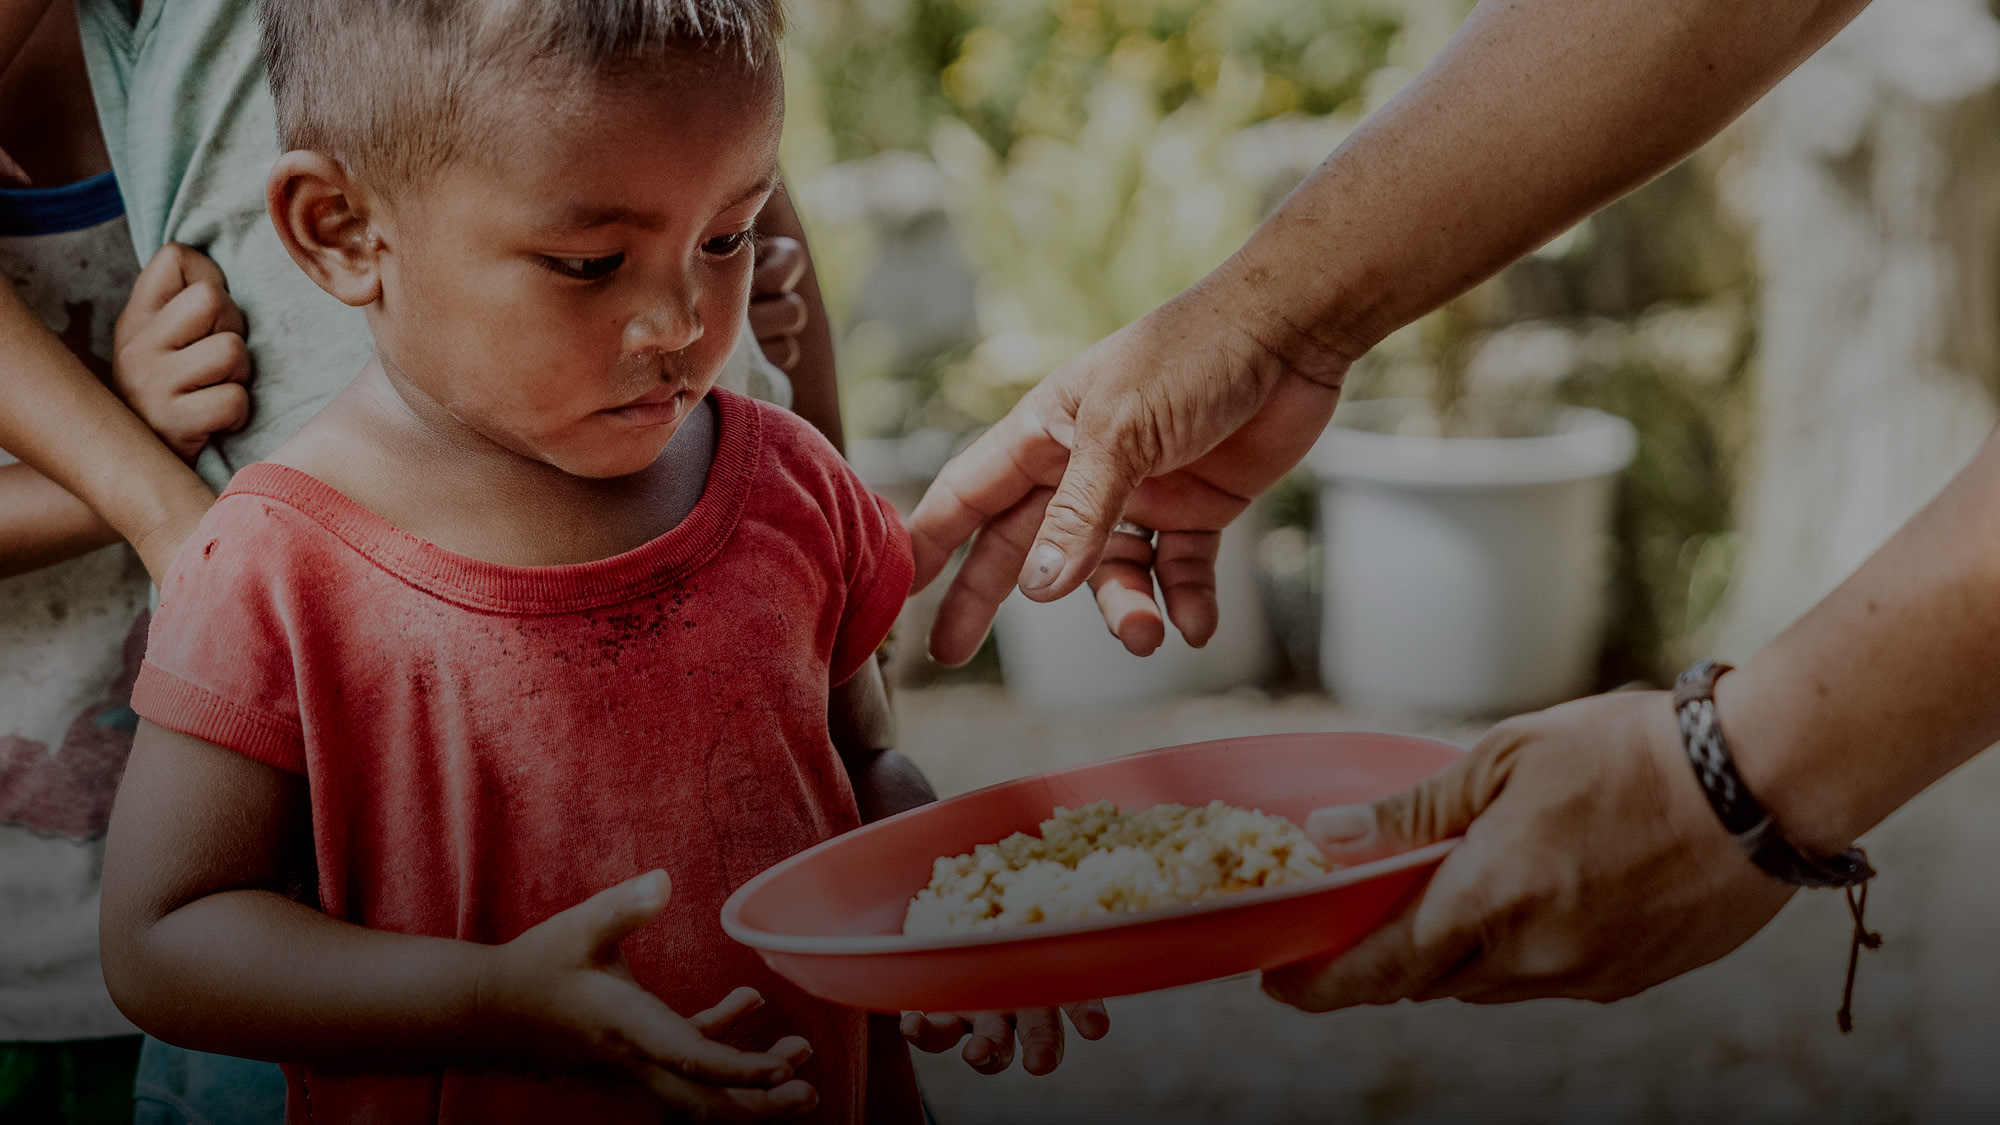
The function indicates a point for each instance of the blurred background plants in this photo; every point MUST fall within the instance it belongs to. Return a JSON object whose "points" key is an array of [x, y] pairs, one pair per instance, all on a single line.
{"points": [[992, 185]]}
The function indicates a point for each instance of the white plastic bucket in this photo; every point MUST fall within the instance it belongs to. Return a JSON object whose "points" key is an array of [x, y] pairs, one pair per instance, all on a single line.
{"points": [[1058, 656], [1464, 575]]}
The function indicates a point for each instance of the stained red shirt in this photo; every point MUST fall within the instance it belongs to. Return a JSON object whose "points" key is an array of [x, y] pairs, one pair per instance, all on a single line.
{"points": [[487, 745]]}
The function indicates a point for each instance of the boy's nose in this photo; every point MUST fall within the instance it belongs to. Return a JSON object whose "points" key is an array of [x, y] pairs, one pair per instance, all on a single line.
{"points": [[667, 326]]}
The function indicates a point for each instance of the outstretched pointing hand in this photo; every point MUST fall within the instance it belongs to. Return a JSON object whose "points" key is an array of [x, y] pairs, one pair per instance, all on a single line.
{"points": [[1174, 422]]}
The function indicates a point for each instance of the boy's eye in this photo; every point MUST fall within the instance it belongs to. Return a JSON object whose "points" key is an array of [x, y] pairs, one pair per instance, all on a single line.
{"points": [[584, 269], [725, 245]]}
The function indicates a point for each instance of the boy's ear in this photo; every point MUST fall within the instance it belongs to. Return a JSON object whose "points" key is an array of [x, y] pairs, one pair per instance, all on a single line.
{"points": [[322, 218]]}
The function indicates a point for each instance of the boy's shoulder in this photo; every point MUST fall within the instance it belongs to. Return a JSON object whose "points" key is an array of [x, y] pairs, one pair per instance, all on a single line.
{"points": [[793, 448], [272, 520]]}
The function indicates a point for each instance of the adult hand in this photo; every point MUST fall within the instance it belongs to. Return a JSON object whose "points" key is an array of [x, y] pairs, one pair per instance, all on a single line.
{"points": [[1174, 422], [777, 313], [1592, 867], [989, 1036], [179, 359]]}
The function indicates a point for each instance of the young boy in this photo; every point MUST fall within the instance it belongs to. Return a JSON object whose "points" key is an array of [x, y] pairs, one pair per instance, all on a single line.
{"points": [[523, 614]]}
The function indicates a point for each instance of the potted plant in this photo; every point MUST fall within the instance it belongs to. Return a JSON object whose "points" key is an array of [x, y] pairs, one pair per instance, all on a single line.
{"points": [[1465, 540]]}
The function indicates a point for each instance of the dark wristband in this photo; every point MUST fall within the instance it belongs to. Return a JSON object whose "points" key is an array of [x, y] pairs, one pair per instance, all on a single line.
{"points": [[1741, 815]]}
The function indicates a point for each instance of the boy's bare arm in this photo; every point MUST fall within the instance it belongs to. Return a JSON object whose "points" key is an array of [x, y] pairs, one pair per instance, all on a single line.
{"points": [[201, 948], [864, 733]]}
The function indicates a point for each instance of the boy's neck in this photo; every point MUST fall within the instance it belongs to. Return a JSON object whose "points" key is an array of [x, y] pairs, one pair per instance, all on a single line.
{"points": [[427, 474]]}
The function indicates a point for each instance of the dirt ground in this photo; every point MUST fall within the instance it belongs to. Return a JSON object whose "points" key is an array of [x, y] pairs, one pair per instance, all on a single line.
{"points": [[1751, 1038]]}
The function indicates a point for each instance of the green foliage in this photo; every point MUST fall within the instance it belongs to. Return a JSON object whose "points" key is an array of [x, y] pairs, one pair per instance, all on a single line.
{"points": [[1016, 68]]}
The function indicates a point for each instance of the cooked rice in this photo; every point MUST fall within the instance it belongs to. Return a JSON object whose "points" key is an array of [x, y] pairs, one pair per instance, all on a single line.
{"points": [[1096, 861]]}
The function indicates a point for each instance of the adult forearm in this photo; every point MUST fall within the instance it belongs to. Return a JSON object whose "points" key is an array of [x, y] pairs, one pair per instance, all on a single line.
{"points": [[1537, 114], [42, 524], [254, 974], [57, 417], [1888, 683]]}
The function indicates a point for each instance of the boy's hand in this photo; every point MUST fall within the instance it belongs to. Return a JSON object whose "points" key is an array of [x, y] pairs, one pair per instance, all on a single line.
{"points": [[179, 360], [777, 313], [991, 1047], [562, 989]]}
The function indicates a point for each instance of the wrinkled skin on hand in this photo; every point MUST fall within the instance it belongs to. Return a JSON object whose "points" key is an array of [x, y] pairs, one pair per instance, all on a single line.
{"points": [[1176, 422], [1592, 867]]}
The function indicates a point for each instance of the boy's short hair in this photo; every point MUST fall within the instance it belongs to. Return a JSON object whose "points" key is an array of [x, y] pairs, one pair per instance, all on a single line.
{"points": [[399, 88]]}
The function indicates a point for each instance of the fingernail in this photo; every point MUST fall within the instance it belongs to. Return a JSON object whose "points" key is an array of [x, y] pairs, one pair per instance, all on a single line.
{"points": [[1041, 1060], [977, 1051], [1045, 565], [1342, 824]]}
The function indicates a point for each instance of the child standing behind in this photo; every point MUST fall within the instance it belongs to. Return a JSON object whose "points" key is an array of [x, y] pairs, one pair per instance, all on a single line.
{"points": [[525, 613], [72, 599]]}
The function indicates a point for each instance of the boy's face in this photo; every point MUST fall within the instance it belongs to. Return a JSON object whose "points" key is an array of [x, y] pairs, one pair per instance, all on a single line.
{"points": [[575, 299]]}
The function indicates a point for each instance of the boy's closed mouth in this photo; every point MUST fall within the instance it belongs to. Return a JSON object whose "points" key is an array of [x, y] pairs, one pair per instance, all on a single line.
{"points": [[656, 407]]}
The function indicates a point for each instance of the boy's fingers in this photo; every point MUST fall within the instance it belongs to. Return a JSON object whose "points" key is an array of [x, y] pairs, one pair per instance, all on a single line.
{"points": [[984, 580], [781, 264], [1184, 561], [698, 1102], [782, 352], [933, 1032], [664, 1039], [1123, 583], [733, 1007], [990, 1050], [1041, 1035], [783, 314], [1089, 1018]]}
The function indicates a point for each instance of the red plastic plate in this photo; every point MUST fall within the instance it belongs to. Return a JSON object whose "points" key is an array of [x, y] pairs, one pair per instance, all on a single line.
{"points": [[830, 918]]}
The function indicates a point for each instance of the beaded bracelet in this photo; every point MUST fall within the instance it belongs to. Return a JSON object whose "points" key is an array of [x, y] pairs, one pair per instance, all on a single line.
{"points": [[1752, 828]]}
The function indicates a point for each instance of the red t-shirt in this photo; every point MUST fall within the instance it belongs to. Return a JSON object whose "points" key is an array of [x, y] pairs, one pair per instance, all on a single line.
{"points": [[487, 745]]}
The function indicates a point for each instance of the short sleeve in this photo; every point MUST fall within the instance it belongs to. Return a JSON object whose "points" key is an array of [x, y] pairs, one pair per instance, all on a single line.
{"points": [[219, 659], [878, 567]]}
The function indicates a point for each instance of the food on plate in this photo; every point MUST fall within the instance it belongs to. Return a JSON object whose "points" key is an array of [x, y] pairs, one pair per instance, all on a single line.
{"points": [[1097, 860]]}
